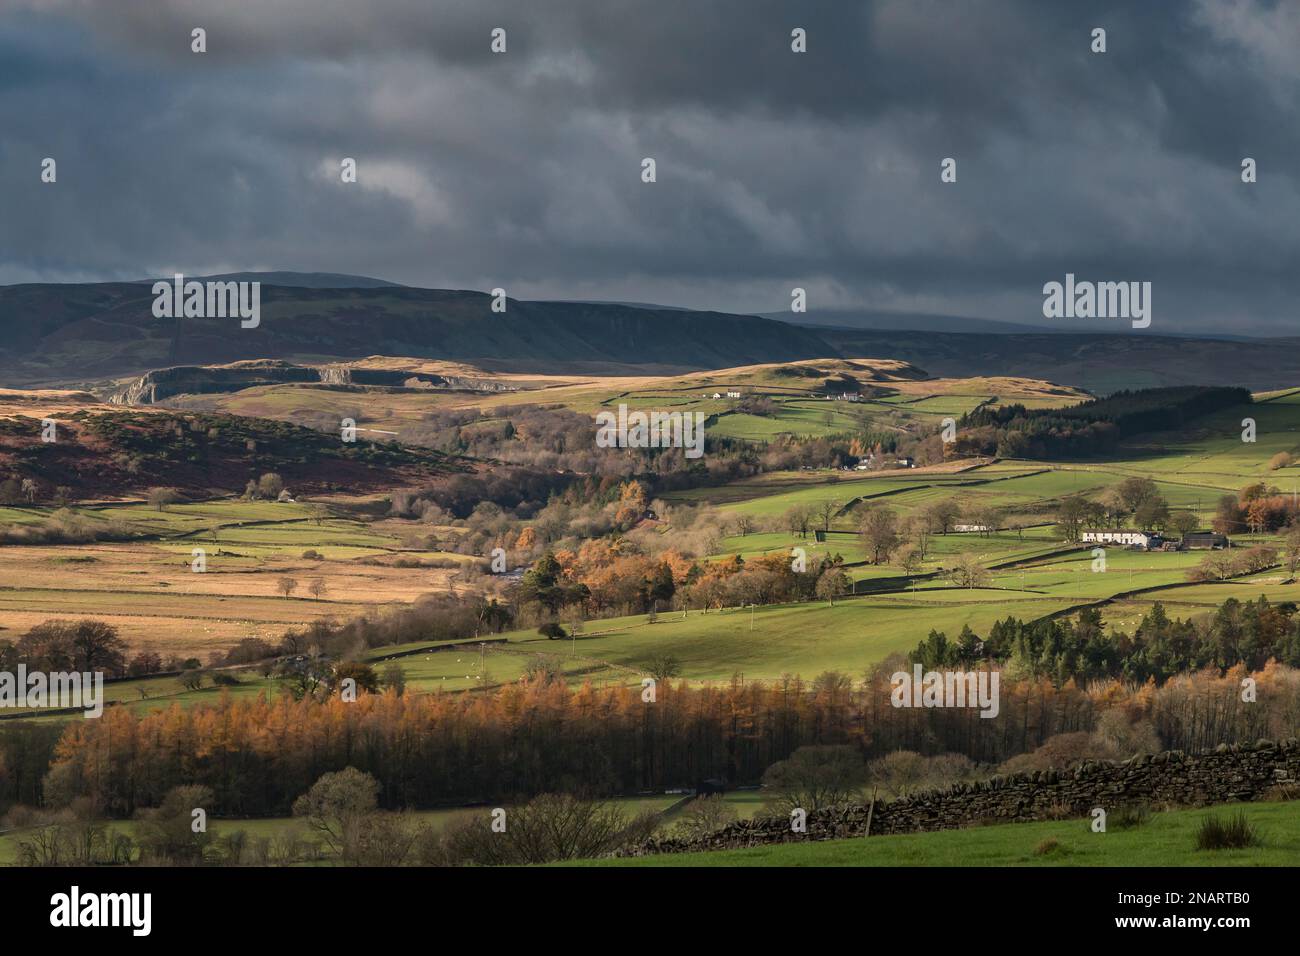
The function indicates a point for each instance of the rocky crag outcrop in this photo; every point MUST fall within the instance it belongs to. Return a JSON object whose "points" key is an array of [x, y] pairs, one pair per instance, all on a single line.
{"points": [[1229, 773]]}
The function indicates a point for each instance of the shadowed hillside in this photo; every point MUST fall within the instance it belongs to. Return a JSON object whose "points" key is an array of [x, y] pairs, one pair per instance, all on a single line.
{"points": [[87, 333], [94, 331], [1098, 363], [100, 454]]}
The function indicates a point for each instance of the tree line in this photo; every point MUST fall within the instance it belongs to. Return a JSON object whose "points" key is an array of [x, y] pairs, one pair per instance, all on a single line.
{"points": [[1090, 428], [539, 735], [1247, 634]]}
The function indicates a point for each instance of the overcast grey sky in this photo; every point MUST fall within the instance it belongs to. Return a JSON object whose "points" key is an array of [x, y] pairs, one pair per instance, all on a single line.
{"points": [[775, 169]]}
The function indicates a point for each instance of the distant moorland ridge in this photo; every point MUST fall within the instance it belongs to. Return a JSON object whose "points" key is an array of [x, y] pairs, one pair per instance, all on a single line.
{"points": [[86, 333], [57, 333]]}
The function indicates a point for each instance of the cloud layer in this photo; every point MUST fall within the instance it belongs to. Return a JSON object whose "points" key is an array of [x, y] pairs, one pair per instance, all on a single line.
{"points": [[775, 169]]}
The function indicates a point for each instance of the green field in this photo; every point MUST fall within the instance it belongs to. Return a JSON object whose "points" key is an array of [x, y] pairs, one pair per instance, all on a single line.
{"points": [[794, 417], [762, 643], [1167, 839], [1192, 468], [802, 639], [1033, 570]]}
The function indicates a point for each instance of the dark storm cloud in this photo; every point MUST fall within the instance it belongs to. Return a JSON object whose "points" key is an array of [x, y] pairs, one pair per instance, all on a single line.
{"points": [[775, 169]]}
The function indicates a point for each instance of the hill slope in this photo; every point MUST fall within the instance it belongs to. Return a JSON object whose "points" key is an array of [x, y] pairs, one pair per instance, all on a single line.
{"points": [[101, 452], [1099, 363], [58, 333], [86, 333]]}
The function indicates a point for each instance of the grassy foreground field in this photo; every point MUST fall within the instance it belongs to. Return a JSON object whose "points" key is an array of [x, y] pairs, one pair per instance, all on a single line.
{"points": [[1167, 839]]}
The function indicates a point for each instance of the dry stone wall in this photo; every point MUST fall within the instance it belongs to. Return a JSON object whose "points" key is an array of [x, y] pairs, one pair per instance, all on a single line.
{"points": [[1229, 773]]}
